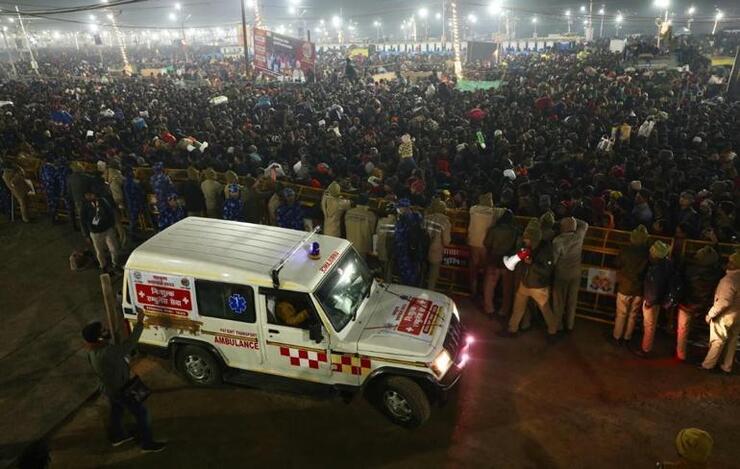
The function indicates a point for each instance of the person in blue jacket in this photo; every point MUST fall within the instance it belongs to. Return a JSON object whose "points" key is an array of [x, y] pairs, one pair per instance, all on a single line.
{"points": [[290, 212], [172, 213], [233, 205], [407, 227]]}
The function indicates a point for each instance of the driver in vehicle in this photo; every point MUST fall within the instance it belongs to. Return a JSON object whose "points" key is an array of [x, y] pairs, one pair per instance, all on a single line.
{"points": [[288, 315]]}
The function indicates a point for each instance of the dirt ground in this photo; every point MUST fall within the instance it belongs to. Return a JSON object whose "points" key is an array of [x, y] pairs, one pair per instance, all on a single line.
{"points": [[521, 404]]}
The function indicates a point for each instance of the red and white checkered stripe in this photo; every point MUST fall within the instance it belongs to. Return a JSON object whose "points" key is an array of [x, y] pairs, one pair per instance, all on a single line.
{"points": [[304, 358]]}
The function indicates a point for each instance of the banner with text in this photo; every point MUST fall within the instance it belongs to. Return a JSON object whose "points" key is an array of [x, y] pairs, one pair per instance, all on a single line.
{"points": [[282, 56]]}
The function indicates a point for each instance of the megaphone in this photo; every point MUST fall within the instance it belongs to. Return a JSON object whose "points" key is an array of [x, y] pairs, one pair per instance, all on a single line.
{"points": [[511, 261]]}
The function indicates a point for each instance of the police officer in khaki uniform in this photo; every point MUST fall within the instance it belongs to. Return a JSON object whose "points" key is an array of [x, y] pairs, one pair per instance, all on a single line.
{"points": [[360, 223], [16, 182], [482, 216], [333, 207], [536, 279], [567, 247], [439, 229], [213, 192]]}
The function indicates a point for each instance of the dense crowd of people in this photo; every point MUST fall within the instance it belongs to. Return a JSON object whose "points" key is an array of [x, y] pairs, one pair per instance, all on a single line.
{"points": [[570, 139]]}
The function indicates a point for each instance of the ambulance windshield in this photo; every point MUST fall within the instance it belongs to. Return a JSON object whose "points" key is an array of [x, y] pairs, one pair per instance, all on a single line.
{"points": [[344, 288]]}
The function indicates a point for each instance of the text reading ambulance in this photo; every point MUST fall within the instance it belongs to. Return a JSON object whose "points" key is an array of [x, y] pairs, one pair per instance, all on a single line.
{"points": [[267, 306]]}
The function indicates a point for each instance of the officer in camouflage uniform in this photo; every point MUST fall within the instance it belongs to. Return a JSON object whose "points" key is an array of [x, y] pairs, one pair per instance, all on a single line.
{"points": [[172, 213], [63, 171], [407, 262], [290, 212], [134, 197], [48, 174], [162, 185], [233, 206]]}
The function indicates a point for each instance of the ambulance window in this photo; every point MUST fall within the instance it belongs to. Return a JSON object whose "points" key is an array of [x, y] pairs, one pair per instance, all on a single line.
{"points": [[225, 301], [290, 309]]}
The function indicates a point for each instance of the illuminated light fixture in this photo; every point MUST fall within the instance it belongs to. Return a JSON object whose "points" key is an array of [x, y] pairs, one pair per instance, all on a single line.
{"points": [[423, 12], [494, 8], [178, 7], [442, 363], [662, 4], [315, 251], [173, 17]]}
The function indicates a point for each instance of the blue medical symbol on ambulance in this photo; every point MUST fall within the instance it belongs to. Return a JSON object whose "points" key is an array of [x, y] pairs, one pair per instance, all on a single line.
{"points": [[237, 303]]}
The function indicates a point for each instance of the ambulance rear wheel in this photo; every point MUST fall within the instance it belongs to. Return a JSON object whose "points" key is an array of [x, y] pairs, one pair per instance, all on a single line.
{"points": [[199, 366], [404, 401]]}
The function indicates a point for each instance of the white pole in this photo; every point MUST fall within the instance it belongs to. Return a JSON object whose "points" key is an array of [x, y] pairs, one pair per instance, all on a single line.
{"points": [[34, 64]]}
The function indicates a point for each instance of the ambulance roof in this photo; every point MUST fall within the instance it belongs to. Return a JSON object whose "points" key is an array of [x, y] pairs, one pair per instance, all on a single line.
{"points": [[236, 252]]}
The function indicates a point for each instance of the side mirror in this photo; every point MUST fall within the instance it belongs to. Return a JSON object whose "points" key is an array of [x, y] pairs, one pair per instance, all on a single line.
{"points": [[314, 333]]}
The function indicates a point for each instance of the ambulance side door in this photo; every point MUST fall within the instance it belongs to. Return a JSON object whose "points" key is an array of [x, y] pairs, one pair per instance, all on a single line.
{"points": [[289, 349], [229, 321]]}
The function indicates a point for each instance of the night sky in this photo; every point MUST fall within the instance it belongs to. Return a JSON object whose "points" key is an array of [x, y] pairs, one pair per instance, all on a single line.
{"points": [[639, 14]]}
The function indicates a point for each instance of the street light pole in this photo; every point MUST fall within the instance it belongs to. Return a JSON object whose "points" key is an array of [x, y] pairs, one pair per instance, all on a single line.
{"points": [[35, 65], [717, 17], [444, 24], [601, 27], [244, 38]]}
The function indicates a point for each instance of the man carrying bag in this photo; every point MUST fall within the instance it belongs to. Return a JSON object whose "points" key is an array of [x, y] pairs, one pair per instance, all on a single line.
{"points": [[110, 363]]}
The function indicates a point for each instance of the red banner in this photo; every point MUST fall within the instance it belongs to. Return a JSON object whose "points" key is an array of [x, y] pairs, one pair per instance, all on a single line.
{"points": [[279, 55], [415, 316], [164, 297]]}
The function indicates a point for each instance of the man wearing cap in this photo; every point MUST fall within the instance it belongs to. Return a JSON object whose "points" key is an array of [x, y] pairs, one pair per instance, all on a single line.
{"points": [[290, 212], [724, 326], [482, 216], [439, 232], [172, 212], [408, 256], [110, 364], [213, 192], [98, 220], [500, 242], [333, 206], [694, 448], [701, 273], [567, 248], [632, 262], [385, 233], [360, 223], [233, 205], [656, 288], [535, 280]]}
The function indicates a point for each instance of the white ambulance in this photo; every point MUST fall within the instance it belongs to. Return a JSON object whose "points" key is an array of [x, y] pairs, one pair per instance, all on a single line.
{"points": [[278, 308]]}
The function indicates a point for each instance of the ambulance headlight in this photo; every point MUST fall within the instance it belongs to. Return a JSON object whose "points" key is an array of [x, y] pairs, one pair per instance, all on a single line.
{"points": [[442, 363]]}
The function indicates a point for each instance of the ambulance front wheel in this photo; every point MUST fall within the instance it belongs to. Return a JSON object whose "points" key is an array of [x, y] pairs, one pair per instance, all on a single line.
{"points": [[199, 366], [404, 401]]}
